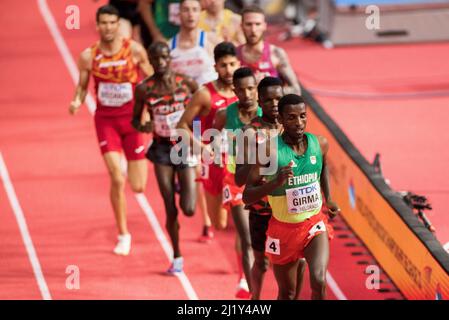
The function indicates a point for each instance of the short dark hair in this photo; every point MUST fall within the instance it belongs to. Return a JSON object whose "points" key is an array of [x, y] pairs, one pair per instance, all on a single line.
{"points": [[252, 9], [289, 99], [224, 49], [268, 82], [107, 9], [182, 1], [241, 73], [157, 46]]}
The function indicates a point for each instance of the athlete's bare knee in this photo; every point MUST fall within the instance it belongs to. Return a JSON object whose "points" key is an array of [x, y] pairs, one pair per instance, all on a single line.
{"points": [[137, 187], [318, 279], [188, 208], [261, 264], [220, 224], [117, 180], [287, 294]]}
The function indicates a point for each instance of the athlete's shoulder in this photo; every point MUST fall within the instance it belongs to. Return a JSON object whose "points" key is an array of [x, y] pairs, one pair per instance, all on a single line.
{"points": [[324, 144], [204, 91], [86, 58], [278, 51], [136, 47]]}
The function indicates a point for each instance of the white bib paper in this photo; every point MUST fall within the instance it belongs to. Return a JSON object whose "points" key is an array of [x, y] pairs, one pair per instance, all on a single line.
{"points": [[226, 194], [164, 125], [114, 94], [303, 199]]}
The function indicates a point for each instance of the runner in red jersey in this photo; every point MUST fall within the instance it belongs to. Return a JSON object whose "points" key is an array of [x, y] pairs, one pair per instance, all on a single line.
{"points": [[114, 63], [263, 58], [204, 105]]}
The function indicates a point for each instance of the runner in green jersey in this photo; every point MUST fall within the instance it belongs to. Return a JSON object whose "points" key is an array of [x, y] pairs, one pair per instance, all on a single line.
{"points": [[296, 192], [259, 132], [235, 117]]}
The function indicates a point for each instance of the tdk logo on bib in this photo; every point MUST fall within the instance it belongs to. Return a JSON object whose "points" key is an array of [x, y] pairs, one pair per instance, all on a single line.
{"points": [[305, 190]]}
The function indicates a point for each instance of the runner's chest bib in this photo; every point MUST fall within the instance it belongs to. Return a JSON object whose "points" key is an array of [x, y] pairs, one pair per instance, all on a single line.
{"points": [[194, 62], [115, 78], [261, 68], [300, 197], [166, 110]]}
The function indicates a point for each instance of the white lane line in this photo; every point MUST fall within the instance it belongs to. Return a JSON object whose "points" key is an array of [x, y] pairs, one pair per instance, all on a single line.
{"points": [[20, 217], [141, 198], [334, 287], [143, 202]]}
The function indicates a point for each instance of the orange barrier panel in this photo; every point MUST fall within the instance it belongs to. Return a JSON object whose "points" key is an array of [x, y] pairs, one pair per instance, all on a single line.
{"points": [[403, 247]]}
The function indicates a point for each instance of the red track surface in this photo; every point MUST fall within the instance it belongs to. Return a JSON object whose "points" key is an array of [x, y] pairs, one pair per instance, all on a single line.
{"points": [[390, 99], [61, 184]]}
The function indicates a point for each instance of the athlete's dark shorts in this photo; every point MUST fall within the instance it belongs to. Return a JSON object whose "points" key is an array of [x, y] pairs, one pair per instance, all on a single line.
{"points": [[159, 153], [127, 10], [258, 225]]}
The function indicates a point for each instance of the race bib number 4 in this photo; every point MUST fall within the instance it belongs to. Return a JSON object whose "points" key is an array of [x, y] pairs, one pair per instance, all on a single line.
{"points": [[304, 199], [272, 246], [114, 94], [164, 125]]}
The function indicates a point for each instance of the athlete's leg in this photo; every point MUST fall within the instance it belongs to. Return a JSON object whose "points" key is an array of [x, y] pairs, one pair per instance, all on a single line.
{"points": [[218, 215], [186, 179], [117, 189], [300, 277], [137, 174], [241, 222], [286, 276], [165, 178], [258, 271], [258, 225], [317, 256], [201, 203]]}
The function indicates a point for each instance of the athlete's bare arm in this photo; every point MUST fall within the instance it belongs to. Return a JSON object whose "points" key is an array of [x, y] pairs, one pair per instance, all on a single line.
{"points": [[199, 105], [141, 120], [242, 169], [84, 67], [192, 84], [285, 70], [141, 58], [255, 189], [146, 12], [220, 119], [332, 207]]}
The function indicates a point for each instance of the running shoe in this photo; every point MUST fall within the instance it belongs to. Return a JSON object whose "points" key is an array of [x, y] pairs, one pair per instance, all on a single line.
{"points": [[123, 245], [176, 266], [207, 235], [243, 290]]}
